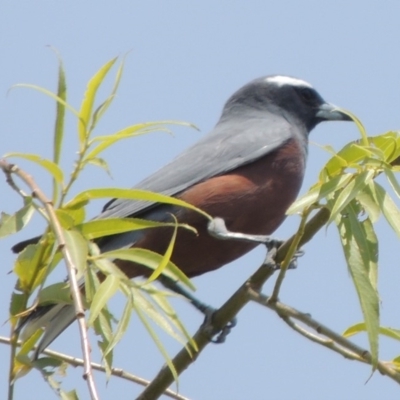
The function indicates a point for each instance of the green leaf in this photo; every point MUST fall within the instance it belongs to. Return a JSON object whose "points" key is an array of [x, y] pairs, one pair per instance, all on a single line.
{"points": [[85, 111], [60, 113], [361, 327], [368, 203], [121, 327], [76, 211], [361, 248], [99, 162], [59, 122], [387, 205], [393, 181], [160, 299], [147, 306], [157, 341], [92, 283], [78, 249], [132, 194], [105, 227], [65, 218], [318, 192], [30, 262], [350, 191], [149, 259], [71, 395], [50, 94], [29, 344], [17, 306], [351, 154], [56, 293], [10, 224], [166, 257], [44, 363], [388, 144], [107, 267], [106, 290], [360, 126], [128, 132], [50, 166], [104, 106]]}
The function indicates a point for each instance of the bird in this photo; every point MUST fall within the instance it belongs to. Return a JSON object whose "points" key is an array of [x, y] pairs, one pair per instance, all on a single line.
{"points": [[247, 171]]}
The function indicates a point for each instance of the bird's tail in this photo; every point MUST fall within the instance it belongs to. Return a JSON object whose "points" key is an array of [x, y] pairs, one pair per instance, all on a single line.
{"points": [[56, 317]]}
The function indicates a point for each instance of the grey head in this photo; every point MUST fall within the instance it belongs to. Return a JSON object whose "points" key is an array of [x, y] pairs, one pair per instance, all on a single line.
{"points": [[291, 98]]}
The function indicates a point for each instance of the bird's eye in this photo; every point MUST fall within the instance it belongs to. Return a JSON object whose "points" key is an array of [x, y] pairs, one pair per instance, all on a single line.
{"points": [[307, 95]]}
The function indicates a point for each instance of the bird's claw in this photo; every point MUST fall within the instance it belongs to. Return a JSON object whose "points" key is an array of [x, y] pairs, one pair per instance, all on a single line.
{"points": [[209, 328], [274, 245]]}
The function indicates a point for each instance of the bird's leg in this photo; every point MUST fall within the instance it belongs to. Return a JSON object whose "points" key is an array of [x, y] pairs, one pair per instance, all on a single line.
{"points": [[217, 228], [205, 309]]}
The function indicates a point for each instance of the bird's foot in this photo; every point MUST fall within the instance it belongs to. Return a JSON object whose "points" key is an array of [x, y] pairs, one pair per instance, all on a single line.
{"points": [[275, 244], [208, 327], [205, 309]]}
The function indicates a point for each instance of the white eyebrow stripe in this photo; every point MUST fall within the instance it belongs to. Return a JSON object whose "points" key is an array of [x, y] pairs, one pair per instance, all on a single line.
{"points": [[281, 80]]}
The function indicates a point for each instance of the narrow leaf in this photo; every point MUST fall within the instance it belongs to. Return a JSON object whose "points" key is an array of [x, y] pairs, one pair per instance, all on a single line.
{"points": [[104, 106], [60, 113], [111, 226], [50, 94], [351, 154], [56, 293], [50, 166], [361, 327], [318, 192], [387, 205], [78, 249], [349, 192], [149, 259], [368, 203], [128, 132], [393, 181], [157, 342], [106, 290], [85, 111], [166, 257], [132, 194], [10, 224], [121, 327], [361, 254], [59, 122]]}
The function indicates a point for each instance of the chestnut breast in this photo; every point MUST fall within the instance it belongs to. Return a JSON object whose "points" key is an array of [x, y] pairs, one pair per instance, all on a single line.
{"points": [[251, 199]]}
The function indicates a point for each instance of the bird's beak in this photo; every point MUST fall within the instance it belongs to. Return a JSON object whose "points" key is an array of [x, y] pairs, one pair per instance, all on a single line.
{"points": [[330, 112]]}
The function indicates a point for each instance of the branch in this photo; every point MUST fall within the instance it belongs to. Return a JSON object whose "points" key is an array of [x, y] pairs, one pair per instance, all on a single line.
{"points": [[118, 372], [220, 319], [231, 307], [9, 170], [337, 342]]}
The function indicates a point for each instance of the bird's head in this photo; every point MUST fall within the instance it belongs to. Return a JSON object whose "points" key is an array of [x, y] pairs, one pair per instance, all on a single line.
{"points": [[294, 99]]}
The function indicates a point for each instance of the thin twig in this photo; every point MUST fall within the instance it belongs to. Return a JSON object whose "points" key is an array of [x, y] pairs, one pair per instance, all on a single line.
{"points": [[330, 344], [354, 351], [118, 372], [10, 169]]}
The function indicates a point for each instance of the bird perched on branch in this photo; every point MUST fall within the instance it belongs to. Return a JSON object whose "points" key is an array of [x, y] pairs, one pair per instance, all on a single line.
{"points": [[248, 170]]}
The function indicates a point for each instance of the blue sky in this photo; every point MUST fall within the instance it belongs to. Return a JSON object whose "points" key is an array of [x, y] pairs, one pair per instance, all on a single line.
{"points": [[185, 59]]}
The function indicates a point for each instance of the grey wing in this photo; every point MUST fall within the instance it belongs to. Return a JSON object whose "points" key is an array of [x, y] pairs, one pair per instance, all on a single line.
{"points": [[230, 145]]}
